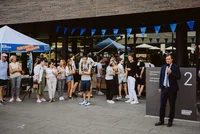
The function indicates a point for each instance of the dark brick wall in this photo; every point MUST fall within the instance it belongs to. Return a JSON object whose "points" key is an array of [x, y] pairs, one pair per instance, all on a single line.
{"points": [[23, 11]]}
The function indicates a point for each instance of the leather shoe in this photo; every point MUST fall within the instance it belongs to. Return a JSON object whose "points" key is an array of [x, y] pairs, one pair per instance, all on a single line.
{"points": [[169, 124], [159, 123]]}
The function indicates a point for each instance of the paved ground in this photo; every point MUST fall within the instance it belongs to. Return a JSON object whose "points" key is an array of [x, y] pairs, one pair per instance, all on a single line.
{"points": [[67, 117]]}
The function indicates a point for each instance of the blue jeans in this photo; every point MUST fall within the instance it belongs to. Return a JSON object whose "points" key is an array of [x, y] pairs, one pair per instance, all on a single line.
{"points": [[15, 85]]}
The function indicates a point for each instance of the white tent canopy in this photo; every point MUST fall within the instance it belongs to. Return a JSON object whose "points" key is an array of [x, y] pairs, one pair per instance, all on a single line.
{"points": [[144, 46], [13, 41], [154, 48], [188, 48]]}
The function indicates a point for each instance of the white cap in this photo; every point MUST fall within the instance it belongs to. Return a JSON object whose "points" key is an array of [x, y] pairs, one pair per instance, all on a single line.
{"points": [[4, 55]]}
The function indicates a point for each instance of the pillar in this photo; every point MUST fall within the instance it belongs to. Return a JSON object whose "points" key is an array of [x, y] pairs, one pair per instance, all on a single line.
{"points": [[181, 47], [65, 51], [74, 46]]}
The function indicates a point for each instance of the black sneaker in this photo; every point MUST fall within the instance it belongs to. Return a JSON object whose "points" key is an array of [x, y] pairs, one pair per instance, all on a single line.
{"points": [[74, 95], [2, 103]]}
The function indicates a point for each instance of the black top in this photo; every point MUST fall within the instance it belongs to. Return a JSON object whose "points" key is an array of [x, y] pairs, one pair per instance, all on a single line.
{"points": [[139, 68], [133, 68]]}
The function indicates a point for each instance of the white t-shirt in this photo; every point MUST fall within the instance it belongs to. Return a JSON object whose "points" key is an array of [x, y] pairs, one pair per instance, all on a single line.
{"points": [[89, 61], [99, 67], [109, 69], [121, 69], [85, 68], [50, 72], [15, 66], [68, 70]]}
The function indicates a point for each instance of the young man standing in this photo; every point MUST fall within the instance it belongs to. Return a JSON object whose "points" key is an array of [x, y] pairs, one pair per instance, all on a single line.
{"points": [[3, 76], [131, 73], [85, 72], [99, 76]]}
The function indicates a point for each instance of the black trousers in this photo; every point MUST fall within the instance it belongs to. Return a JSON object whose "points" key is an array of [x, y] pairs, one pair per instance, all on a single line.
{"points": [[166, 94], [110, 86]]}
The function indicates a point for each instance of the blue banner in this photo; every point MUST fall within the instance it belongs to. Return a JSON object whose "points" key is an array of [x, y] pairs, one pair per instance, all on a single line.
{"points": [[173, 27], [24, 48], [128, 31], [142, 39], [65, 30], [73, 30], [143, 30], [191, 25], [150, 40], [58, 28], [93, 32], [158, 40], [192, 39], [174, 40], [82, 31], [103, 31], [157, 29], [166, 40], [115, 32]]}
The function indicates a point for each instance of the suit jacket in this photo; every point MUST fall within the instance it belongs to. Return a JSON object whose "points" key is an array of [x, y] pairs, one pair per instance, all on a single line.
{"points": [[173, 77]]}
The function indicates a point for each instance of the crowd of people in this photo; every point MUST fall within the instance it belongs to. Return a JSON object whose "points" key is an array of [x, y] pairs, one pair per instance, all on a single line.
{"points": [[119, 76]]}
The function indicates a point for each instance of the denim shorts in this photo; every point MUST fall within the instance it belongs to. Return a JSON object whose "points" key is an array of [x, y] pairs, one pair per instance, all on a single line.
{"points": [[69, 78], [85, 84]]}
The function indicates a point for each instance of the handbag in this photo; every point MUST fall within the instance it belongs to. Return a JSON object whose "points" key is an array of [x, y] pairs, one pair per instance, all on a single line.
{"points": [[35, 82]]}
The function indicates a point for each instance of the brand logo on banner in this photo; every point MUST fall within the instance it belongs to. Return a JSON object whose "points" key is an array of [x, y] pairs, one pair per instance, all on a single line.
{"points": [[93, 32], [73, 30], [82, 31], [166, 40], [191, 25], [128, 31], [173, 27], [157, 29], [143, 30], [115, 31], [57, 28], [150, 40], [103, 31], [65, 30]]}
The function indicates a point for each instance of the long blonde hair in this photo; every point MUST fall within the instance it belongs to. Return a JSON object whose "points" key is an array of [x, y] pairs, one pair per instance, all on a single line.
{"points": [[68, 64], [64, 63]]}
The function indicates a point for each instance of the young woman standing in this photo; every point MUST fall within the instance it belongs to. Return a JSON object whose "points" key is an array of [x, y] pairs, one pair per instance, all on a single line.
{"points": [[69, 78], [61, 79], [15, 78], [39, 75], [110, 83], [122, 79], [51, 74]]}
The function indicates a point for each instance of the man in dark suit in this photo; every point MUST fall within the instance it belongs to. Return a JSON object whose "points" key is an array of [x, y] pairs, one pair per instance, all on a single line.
{"points": [[168, 86]]}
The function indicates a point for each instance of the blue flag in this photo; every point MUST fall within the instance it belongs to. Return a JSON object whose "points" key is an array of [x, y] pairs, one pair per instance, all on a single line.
{"points": [[166, 40], [157, 29], [115, 31], [150, 40], [191, 25], [73, 30], [128, 31], [103, 31], [143, 30], [192, 39], [174, 40], [65, 30], [173, 27], [158, 40], [93, 32], [57, 28], [82, 31]]}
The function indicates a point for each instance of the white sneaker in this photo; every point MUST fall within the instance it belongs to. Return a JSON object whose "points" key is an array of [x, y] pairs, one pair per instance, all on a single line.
{"points": [[111, 102], [83, 103], [43, 100], [134, 102], [118, 98], [128, 101], [11, 100], [100, 93], [127, 96], [18, 99], [60, 98], [38, 101], [80, 93], [63, 98]]}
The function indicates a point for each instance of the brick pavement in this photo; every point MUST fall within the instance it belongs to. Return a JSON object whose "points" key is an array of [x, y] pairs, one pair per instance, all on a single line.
{"points": [[68, 117]]}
